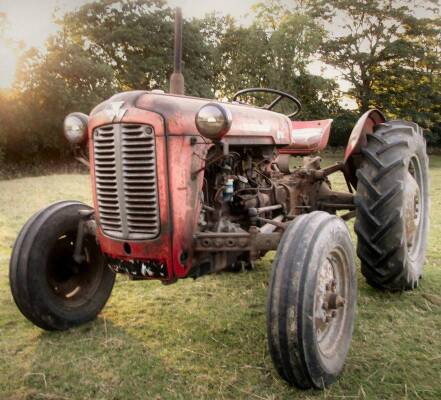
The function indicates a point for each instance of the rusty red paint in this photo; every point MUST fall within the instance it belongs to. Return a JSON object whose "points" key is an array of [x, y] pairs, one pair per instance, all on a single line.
{"points": [[158, 249], [185, 193], [250, 124], [308, 137], [178, 157], [364, 126], [178, 194], [358, 139]]}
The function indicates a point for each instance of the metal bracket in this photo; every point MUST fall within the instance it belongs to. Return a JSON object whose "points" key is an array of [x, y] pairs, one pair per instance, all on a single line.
{"points": [[84, 227]]}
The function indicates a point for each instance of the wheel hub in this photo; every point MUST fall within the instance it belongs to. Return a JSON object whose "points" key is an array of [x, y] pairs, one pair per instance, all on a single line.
{"points": [[329, 307], [328, 301], [70, 281], [412, 209]]}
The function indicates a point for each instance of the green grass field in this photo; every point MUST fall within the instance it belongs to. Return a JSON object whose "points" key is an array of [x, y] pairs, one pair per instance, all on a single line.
{"points": [[205, 339]]}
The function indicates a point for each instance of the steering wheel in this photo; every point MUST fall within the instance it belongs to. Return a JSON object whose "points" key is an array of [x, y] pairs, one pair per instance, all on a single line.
{"points": [[281, 96]]}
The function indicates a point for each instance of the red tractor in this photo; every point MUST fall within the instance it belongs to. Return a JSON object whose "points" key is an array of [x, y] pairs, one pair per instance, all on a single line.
{"points": [[184, 187]]}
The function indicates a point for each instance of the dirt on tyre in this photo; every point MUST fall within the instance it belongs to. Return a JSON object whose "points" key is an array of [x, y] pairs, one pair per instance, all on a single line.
{"points": [[312, 301], [50, 288], [392, 200]]}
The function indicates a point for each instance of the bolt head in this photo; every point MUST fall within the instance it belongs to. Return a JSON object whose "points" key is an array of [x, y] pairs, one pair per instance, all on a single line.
{"points": [[340, 301]]}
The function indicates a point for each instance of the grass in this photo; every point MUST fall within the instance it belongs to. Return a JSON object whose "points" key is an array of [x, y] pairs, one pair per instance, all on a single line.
{"points": [[205, 339]]}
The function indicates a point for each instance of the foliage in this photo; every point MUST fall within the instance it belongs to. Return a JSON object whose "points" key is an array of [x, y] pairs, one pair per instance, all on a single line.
{"points": [[104, 47], [135, 38], [390, 57], [342, 126], [367, 35], [276, 56], [51, 86], [409, 86]]}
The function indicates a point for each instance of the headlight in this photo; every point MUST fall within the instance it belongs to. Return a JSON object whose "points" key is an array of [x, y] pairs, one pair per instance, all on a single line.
{"points": [[75, 128], [213, 121]]}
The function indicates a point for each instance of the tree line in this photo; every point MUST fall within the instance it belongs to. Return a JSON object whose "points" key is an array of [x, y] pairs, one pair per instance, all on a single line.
{"points": [[388, 52]]}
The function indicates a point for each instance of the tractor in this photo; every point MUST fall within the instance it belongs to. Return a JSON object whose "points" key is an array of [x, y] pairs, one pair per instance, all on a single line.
{"points": [[185, 186]]}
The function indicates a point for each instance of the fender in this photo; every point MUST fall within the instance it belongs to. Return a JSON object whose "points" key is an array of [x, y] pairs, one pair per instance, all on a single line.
{"points": [[358, 139]]}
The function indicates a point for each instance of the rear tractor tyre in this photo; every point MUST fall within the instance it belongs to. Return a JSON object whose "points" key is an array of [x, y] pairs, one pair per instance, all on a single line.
{"points": [[392, 200], [312, 301], [51, 289]]}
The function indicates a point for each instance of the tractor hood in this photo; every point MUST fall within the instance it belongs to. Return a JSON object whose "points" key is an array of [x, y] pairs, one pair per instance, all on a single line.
{"points": [[251, 125]]}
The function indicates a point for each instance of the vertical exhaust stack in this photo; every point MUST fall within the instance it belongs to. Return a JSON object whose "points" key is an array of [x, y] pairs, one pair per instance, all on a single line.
{"points": [[177, 79]]}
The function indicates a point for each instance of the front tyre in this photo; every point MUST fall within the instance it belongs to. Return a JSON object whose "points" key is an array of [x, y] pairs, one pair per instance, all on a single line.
{"points": [[393, 206], [312, 301], [49, 287]]}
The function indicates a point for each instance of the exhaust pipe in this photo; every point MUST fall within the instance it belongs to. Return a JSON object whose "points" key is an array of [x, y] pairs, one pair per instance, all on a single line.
{"points": [[177, 79]]}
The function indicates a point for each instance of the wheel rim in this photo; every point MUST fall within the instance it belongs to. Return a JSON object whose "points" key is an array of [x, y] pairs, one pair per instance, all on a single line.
{"points": [[414, 210], [70, 282], [331, 296]]}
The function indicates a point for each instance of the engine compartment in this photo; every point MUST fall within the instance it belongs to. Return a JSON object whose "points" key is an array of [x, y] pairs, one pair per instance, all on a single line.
{"points": [[250, 190], [221, 203]]}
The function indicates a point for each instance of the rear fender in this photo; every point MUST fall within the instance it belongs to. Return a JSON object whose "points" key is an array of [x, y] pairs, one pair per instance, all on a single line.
{"points": [[358, 139]]}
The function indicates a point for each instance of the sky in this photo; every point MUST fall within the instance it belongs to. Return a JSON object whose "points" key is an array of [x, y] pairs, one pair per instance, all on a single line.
{"points": [[31, 21]]}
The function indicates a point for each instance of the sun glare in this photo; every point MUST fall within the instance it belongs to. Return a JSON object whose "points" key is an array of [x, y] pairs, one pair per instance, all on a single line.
{"points": [[8, 60], [28, 24]]}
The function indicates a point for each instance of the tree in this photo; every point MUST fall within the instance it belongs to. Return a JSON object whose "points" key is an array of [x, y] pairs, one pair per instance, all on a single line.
{"points": [[243, 56], [135, 37], [49, 86], [103, 48], [364, 36], [285, 42], [409, 86]]}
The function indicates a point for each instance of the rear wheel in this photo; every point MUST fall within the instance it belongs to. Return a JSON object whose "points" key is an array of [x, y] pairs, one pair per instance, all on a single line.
{"points": [[49, 287], [312, 300], [392, 206]]}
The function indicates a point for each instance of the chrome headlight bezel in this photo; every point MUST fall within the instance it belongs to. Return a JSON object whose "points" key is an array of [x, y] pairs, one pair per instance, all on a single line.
{"points": [[75, 128], [213, 121]]}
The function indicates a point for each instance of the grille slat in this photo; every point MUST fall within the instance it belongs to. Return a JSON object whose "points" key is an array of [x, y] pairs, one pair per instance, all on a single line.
{"points": [[126, 182]]}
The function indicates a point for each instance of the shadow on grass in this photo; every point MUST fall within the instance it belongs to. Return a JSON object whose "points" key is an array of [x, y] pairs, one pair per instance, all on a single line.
{"points": [[173, 350], [99, 361]]}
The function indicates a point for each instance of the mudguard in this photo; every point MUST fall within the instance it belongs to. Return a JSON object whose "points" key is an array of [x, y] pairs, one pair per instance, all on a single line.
{"points": [[358, 139]]}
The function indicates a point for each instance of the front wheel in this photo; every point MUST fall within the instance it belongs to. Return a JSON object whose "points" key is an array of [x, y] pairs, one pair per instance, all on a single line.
{"points": [[312, 300], [50, 288]]}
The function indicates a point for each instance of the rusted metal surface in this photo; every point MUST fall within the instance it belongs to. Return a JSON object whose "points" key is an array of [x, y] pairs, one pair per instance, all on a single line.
{"points": [[412, 210], [159, 249], [199, 224], [231, 242], [308, 137], [329, 310], [177, 85], [330, 200], [364, 126], [358, 139], [250, 125]]}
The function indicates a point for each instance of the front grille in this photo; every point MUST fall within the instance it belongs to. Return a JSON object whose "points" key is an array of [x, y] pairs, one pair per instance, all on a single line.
{"points": [[126, 182]]}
